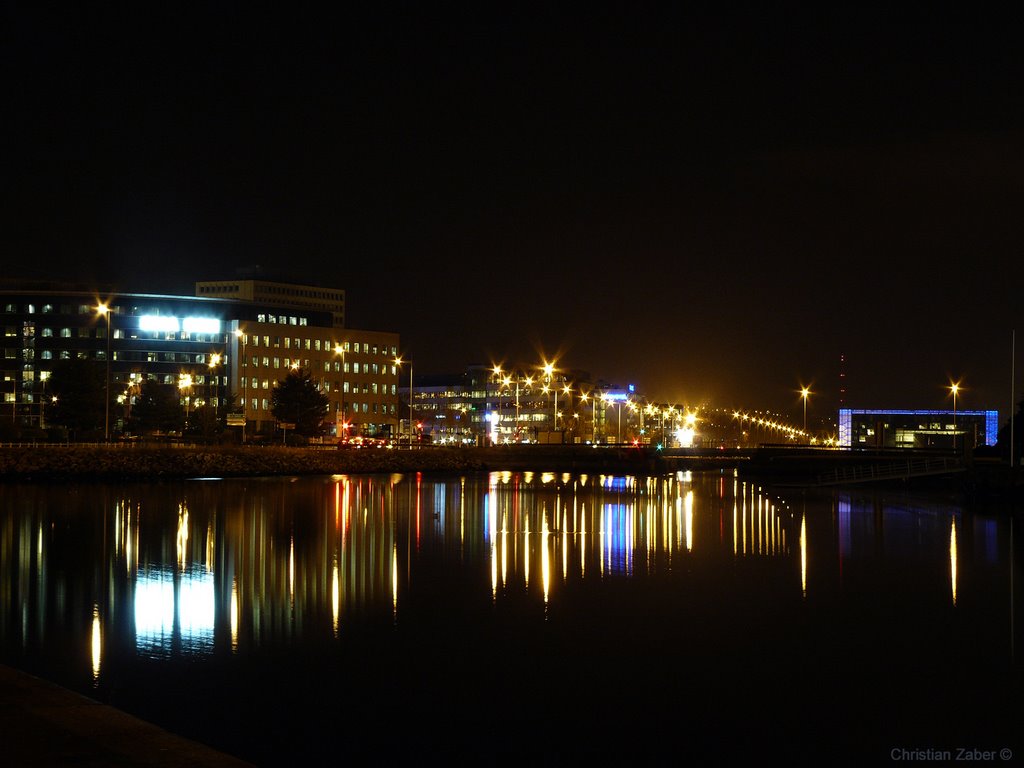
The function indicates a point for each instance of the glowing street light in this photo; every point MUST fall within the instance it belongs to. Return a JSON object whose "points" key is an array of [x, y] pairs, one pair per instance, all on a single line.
{"points": [[340, 350], [399, 362], [215, 359], [244, 339], [103, 310], [185, 382], [805, 393], [954, 387]]}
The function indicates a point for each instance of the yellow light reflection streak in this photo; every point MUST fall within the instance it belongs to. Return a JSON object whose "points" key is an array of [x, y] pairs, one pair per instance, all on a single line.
{"points": [[803, 554], [952, 559], [394, 577], [526, 550], [234, 614], [182, 537], [335, 595], [545, 559], [688, 517], [97, 643]]}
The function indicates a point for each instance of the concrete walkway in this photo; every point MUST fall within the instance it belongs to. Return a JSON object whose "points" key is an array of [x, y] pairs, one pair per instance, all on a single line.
{"points": [[42, 724]]}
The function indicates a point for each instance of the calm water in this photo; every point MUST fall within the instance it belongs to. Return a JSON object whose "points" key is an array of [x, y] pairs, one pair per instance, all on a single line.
{"points": [[522, 617]]}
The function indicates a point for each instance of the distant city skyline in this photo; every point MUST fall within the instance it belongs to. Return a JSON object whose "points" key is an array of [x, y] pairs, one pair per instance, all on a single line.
{"points": [[714, 205]]}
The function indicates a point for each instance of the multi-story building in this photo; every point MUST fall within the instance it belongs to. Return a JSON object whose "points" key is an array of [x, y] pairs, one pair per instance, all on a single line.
{"points": [[194, 339], [274, 294], [355, 369]]}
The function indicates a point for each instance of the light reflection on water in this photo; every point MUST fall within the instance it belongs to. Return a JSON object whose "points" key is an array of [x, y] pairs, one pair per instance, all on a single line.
{"points": [[224, 569]]}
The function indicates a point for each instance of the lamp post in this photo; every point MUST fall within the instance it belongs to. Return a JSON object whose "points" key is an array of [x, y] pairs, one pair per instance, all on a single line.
{"points": [[185, 382], [242, 337], [215, 359], [549, 370], [496, 371], [104, 310], [567, 391], [805, 393], [399, 362], [954, 388], [340, 350]]}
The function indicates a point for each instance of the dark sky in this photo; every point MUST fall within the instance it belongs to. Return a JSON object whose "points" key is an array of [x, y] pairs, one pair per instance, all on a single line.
{"points": [[713, 206]]}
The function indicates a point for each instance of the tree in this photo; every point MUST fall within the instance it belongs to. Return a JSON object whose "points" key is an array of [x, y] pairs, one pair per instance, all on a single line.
{"points": [[157, 408], [78, 387], [297, 400]]}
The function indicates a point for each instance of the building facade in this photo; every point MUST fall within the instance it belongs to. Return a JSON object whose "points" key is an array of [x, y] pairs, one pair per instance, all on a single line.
{"points": [[268, 293], [963, 430], [216, 350]]}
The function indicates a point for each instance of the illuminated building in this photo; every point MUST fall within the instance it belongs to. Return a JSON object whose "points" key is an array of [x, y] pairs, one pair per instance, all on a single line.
{"points": [[274, 294], [175, 339], [890, 428]]}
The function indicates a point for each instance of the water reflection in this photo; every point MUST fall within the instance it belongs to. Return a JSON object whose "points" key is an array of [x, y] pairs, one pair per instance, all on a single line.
{"points": [[193, 568]]}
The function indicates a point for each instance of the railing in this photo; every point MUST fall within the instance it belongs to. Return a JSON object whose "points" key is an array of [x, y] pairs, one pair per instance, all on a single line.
{"points": [[842, 475]]}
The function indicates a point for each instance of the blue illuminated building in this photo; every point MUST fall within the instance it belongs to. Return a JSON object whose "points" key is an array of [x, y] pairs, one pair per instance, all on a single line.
{"points": [[895, 428]]}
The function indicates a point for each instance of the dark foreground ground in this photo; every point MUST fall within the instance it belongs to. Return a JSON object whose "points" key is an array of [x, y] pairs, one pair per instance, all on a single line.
{"points": [[42, 724]]}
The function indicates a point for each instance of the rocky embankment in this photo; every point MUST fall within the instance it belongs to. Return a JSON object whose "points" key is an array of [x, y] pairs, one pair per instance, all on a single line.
{"points": [[142, 462], [71, 462]]}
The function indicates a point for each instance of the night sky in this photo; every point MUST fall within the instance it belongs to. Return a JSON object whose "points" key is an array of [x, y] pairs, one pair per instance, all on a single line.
{"points": [[711, 207]]}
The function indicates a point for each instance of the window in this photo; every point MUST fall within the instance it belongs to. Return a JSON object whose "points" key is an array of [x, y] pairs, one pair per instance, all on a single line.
{"points": [[65, 333], [47, 309], [83, 333]]}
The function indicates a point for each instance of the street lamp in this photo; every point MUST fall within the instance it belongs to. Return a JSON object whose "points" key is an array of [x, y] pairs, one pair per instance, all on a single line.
{"points": [[185, 382], [340, 350], [241, 336], [399, 362], [584, 396], [805, 393], [954, 388], [550, 384], [104, 310], [215, 359], [496, 430]]}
